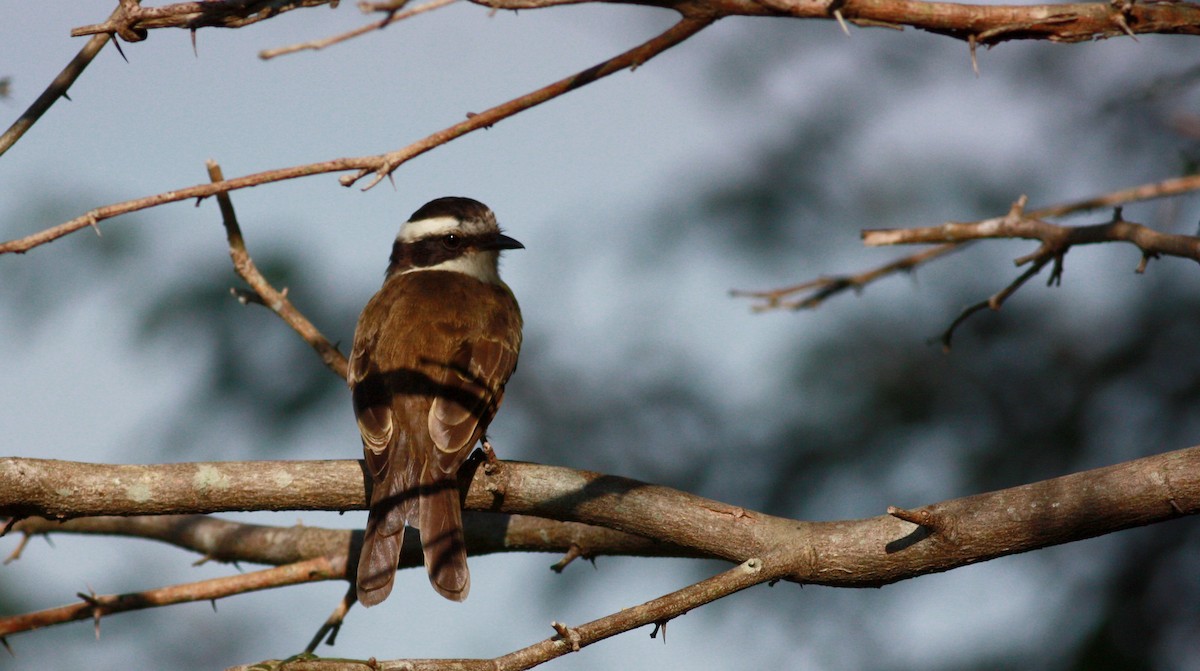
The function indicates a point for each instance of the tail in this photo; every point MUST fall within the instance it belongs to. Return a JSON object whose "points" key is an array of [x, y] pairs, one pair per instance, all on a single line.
{"points": [[440, 522], [380, 553]]}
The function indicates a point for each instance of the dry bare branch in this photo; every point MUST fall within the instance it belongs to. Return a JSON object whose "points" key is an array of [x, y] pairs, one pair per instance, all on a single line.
{"points": [[852, 553], [276, 301], [331, 551], [95, 607], [953, 235], [132, 25], [57, 89], [822, 288], [392, 17], [567, 639], [227, 541], [384, 164], [976, 24], [902, 544], [1056, 241]]}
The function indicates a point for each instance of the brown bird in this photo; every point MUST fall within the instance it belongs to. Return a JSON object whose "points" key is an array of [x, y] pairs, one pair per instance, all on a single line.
{"points": [[432, 353]]}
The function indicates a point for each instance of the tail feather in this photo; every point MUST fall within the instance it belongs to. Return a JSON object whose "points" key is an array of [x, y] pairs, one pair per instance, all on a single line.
{"points": [[440, 522], [380, 554]]}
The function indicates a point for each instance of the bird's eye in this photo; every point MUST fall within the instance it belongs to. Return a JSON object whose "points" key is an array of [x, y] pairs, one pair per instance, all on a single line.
{"points": [[451, 241]]}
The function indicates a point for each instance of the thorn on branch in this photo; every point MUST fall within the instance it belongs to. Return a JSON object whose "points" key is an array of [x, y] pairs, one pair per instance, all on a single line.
{"points": [[117, 44], [921, 518], [972, 43], [1122, 9], [472, 115], [97, 608], [837, 14], [660, 625], [4, 642], [574, 552], [16, 553]]}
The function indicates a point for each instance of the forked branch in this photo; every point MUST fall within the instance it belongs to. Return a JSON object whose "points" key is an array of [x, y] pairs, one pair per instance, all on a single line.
{"points": [[264, 293], [382, 165], [1016, 224]]}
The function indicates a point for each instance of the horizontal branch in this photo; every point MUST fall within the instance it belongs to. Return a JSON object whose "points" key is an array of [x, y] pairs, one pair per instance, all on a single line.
{"points": [[853, 553], [94, 606], [302, 554], [228, 541], [568, 639], [974, 23], [133, 23], [1056, 239]]}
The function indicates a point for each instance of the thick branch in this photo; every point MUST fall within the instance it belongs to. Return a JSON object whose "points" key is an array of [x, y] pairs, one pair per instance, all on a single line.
{"points": [[855, 553]]}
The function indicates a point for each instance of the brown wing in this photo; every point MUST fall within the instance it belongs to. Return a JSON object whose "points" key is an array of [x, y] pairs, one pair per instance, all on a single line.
{"points": [[384, 535], [470, 389]]}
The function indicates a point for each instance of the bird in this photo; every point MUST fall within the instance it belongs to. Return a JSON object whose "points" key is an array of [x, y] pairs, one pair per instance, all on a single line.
{"points": [[433, 350]]}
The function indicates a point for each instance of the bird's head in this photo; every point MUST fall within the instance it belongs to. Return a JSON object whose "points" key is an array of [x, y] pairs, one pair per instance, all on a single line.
{"points": [[452, 233]]}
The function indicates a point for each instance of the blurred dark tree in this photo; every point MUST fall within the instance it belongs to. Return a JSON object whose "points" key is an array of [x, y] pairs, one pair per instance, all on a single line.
{"points": [[1026, 394]]}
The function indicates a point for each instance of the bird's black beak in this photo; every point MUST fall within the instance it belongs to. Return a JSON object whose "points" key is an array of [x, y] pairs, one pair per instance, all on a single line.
{"points": [[502, 241]]}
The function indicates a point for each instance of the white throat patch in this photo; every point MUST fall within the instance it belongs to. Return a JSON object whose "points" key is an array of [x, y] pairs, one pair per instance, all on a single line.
{"points": [[480, 265]]}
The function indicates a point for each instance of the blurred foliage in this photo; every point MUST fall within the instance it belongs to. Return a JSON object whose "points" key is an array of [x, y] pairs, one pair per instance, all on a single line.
{"points": [[255, 363], [1027, 394]]}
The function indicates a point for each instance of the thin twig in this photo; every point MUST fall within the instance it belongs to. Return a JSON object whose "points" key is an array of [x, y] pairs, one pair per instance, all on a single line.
{"points": [[233, 542], [57, 89], [222, 540], [993, 302], [823, 288], [386, 164], [328, 631], [1056, 240], [276, 301], [568, 639], [1017, 223], [571, 639], [382, 165], [97, 606], [317, 45]]}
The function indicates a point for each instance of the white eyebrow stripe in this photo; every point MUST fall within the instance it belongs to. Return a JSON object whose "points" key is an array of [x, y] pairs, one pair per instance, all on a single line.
{"points": [[415, 230]]}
